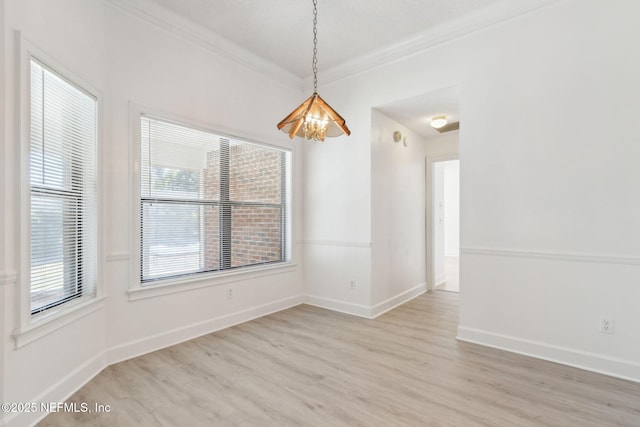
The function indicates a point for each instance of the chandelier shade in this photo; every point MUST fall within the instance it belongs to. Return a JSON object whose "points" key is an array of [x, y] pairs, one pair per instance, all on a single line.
{"points": [[314, 119]]}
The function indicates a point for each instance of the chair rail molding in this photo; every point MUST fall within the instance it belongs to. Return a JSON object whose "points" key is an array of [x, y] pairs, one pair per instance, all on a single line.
{"points": [[118, 256], [555, 256], [8, 278], [336, 243]]}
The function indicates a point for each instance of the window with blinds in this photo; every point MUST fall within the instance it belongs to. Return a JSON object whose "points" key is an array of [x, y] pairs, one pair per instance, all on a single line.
{"points": [[208, 202], [63, 190]]}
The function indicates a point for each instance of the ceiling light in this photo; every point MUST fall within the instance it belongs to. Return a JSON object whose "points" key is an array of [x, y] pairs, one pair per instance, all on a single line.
{"points": [[438, 121], [314, 119]]}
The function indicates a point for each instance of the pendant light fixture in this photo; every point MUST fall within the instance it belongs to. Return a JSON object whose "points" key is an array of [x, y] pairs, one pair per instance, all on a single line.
{"points": [[314, 119]]}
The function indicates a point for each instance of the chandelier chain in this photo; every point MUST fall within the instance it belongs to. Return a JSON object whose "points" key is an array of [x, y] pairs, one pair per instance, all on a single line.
{"points": [[314, 65]]}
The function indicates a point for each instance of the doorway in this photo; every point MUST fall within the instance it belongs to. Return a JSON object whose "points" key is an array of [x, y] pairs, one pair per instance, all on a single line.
{"points": [[444, 223]]}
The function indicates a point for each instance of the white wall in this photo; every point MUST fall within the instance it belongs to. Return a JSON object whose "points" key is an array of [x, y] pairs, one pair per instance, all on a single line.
{"points": [[131, 61], [71, 32], [547, 192], [339, 190], [351, 237], [438, 149], [397, 214], [3, 201], [337, 232], [451, 177], [165, 73], [443, 204], [445, 146], [547, 208], [439, 271], [546, 222]]}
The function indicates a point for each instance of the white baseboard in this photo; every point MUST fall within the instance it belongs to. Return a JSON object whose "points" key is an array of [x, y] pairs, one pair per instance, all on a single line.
{"points": [[58, 392], [67, 386], [620, 368], [159, 341], [440, 280], [397, 300], [368, 312], [340, 306], [72, 382]]}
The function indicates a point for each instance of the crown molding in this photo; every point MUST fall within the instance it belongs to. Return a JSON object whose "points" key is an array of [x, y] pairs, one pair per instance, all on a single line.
{"points": [[489, 16], [162, 17]]}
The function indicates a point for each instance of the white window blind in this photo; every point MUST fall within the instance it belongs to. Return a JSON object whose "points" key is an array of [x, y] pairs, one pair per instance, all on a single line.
{"points": [[208, 202], [63, 190]]}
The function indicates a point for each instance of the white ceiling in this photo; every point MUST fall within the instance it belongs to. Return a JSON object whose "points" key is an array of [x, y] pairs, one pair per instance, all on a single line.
{"points": [[275, 37], [415, 113], [281, 30]]}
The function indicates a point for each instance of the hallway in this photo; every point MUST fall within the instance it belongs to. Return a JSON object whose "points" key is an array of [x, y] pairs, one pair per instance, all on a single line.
{"points": [[452, 271]]}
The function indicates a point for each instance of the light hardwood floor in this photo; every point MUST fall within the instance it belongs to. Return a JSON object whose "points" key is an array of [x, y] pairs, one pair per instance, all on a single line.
{"points": [[311, 367]]}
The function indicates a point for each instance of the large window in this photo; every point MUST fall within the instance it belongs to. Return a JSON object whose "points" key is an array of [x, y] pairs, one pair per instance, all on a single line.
{"points": [[63, 190], [208, 202]]}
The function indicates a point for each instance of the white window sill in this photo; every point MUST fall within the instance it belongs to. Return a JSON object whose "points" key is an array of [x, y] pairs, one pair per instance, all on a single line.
{"points": [[46, 323], [205, 280]]}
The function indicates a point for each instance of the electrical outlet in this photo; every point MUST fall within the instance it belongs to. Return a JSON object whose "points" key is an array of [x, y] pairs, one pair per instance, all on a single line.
{"points": [[230, 293], [606, 325], [352, 285]]}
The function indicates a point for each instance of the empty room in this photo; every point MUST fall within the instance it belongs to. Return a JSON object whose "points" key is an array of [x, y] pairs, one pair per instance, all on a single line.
{"points": [[220, 213]]}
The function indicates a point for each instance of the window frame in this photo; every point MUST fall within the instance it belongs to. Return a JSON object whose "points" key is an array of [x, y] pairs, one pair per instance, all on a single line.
{"points": [[163, 286], [33, 325]]}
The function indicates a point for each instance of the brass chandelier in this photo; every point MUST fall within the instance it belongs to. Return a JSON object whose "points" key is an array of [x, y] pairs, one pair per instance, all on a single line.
{"points": [[314, 119]]}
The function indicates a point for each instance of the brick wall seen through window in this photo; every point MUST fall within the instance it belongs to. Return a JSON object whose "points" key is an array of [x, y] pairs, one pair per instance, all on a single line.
{"points": [[222, 205]]}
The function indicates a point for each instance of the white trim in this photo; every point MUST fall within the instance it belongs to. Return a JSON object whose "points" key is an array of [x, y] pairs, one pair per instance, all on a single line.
{"points": [[168, 286], [198, 281], [28, 324], [398, 300], [599, 363], [339, 306], [440, 280], [494, 14], [368, 312], [72, 382], [23, 95], [343, 243], [133, 180], [169, 21], [8, 278], [6, 164], [486, 17], [555, 256], [60, 391], [165, 339], [138, 109], [432, 280], [118, 256], [50, 321]]}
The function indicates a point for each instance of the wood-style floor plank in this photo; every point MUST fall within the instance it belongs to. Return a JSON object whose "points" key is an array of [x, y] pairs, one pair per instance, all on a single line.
{"points": [[311, 367]]}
